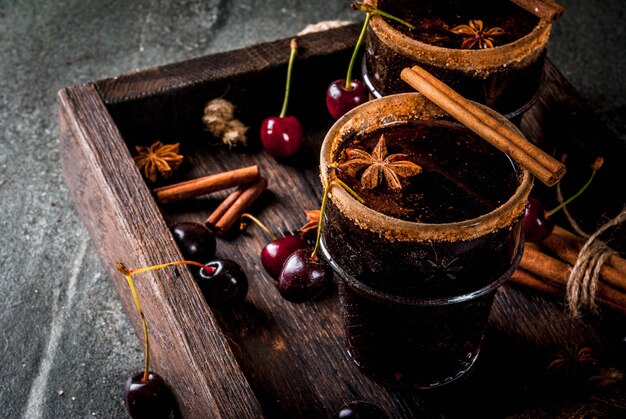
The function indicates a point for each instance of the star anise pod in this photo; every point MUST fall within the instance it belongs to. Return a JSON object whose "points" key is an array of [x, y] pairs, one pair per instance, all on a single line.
{"points": [[475, 34], [571, 360], [379, 168], [313, 219], [163, 158]]}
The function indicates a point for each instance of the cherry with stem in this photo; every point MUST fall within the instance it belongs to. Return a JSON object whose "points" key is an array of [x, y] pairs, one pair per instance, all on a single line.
{"points": [[146, 394], [344, 95], [304, 275], [274, 253], [538, 223], [281, 135]]}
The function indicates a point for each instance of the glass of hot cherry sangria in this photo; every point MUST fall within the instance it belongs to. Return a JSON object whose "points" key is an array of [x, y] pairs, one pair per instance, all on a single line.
{"points": [[492, 51], [439, 230]]}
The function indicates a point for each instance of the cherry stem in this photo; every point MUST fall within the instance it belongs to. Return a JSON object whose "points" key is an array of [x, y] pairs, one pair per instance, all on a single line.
{"points": [[576, 195], [366, 8], [259, 223], [321, 220], [128, 274], [349, 190], [355, 53], [292, 56], [332, 178], [369, 11]]}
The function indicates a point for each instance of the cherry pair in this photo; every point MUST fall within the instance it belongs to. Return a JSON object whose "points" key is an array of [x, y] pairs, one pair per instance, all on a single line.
{"points": [[281, 135], [300, 275]]}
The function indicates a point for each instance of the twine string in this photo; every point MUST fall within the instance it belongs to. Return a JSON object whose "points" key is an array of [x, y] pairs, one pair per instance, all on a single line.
{"points": [[583, 279]]}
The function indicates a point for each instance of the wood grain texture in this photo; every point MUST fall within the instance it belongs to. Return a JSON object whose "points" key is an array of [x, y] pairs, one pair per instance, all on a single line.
{"points": [[290, 357], [187, 346]]}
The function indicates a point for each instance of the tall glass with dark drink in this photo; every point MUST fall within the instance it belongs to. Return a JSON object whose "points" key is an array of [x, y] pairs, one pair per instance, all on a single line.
{"points": [[439, 231]]}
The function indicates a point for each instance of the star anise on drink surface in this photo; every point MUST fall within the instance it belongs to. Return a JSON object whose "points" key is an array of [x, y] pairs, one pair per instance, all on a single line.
{"points": [[160, 157], [379, 168], [475, 34]]}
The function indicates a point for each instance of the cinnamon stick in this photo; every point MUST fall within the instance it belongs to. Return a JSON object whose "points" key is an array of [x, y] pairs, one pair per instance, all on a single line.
{"points": [[568, 248], [530, 280], [616, 262], [207, 184], [523, 277], [544, 10], [557, 273], [543, 166], [238, 207], [225, 205]]}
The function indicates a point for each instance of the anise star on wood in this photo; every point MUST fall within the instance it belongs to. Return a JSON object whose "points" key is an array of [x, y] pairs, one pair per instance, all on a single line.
{"points": [[160, 157], [571, 360], [475, 34], [379, 168]]}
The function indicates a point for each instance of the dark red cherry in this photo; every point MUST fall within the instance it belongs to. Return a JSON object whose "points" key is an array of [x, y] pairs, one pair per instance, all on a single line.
{"points": [[303, 278], [360, 410], [281, 136], [195, 241], [274, 254], [150, 399], [345, 94], [537, 223], [340, 100], [226, 283]]}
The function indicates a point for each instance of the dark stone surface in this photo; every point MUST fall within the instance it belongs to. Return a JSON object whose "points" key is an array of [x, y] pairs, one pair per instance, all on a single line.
{"points": [[65, 346]]}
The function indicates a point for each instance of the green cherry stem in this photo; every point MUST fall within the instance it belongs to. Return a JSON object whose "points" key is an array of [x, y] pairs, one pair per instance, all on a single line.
{"points": [[321, 221], [595, 166], [369, 11], [355, 53], [128, 273], [349, 189], [366, 8], [331, 178], [292, 56]]}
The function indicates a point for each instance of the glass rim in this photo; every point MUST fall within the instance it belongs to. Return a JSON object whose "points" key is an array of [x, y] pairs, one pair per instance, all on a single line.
{"points": [[403, 106], [473, 59]]}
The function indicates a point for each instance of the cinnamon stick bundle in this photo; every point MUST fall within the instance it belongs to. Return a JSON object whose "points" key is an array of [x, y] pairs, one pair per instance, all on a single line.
{"points": [[577, 242], [225, 205], [543, 272], [530, 280], [567, 247], [543, 166], [544, 10], [231, 209]]}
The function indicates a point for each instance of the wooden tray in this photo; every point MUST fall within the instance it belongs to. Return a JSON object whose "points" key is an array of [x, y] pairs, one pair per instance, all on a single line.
{"points": [[268, 357]]}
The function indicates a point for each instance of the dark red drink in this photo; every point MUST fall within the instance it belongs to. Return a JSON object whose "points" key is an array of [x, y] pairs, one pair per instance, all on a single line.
{"points": [[505, 75], [420, 265]]}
